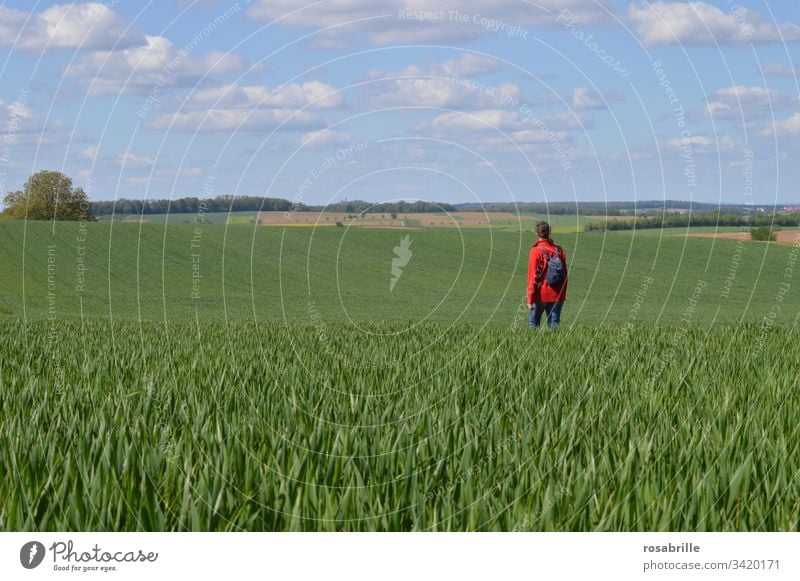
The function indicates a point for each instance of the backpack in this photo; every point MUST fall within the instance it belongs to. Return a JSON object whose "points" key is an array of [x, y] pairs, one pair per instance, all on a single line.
{"points": [[556, 273]]}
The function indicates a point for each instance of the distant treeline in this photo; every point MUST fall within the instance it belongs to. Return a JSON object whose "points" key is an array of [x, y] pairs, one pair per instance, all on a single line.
{"points": [[702, 219], [604, 208], [254, 203], [193, 205]]}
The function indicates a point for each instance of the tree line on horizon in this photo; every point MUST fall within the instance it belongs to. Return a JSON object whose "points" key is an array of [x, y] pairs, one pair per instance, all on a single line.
{"points": [[50, 195], [605, 208], [697, 219], [227, 203]]}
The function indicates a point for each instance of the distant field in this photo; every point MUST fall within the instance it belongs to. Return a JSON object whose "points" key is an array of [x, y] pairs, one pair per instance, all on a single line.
{"points": [[782, 237], [561, 224], [145, 271], [724, 232], [499, 220], [190, 218]]}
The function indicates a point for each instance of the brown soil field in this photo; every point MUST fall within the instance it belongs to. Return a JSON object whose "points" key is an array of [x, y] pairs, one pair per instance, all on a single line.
{"points": [[385, 220]]}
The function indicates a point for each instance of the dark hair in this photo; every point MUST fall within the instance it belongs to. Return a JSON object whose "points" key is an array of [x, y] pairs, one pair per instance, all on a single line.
{"points": [[543, 230]]}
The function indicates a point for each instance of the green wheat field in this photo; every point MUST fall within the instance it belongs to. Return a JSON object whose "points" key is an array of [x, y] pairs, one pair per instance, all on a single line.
{"points": [[165, 377]]}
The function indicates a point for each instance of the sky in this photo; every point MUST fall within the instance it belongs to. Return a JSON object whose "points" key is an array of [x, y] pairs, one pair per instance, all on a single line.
{"points": [[380, 100]]}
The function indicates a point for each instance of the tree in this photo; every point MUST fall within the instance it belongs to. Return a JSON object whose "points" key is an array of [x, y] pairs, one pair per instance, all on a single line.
{"points": [[764, 233], [48, 195]]}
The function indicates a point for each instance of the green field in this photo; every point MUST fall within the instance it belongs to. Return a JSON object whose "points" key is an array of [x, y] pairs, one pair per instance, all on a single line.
{"points": [[229, 218], [287, 388], [151, 271], [683, 231]]}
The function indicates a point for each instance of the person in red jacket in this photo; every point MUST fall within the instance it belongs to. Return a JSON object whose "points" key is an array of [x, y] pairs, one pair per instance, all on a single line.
{"points": [[543, 297]]}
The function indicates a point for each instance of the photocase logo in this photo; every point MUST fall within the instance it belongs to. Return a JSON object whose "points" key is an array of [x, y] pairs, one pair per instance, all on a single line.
{"points": [[402, 256], [31, 554]]}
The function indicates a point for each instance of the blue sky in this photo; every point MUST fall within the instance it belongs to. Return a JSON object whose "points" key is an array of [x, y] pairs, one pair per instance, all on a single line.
{"points": [[470, 101]]}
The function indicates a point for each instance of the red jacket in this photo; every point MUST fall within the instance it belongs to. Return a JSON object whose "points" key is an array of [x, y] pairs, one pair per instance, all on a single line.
{"points": [[538, 289]]}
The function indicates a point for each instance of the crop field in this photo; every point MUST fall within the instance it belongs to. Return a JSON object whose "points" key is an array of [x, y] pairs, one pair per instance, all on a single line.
{"points": [[209, 272], [198, 377], [462, 220], [128, 426], [562, 224], [229, 218]]}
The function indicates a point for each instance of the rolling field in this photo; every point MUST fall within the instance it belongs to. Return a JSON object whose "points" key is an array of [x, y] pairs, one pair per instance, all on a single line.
{"points": [[212, 378], [121, 426], [222, 218], [186, 272], [562, 224]]}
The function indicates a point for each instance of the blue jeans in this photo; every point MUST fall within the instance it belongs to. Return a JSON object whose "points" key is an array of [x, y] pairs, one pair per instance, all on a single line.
{"points": [[553, 311]]}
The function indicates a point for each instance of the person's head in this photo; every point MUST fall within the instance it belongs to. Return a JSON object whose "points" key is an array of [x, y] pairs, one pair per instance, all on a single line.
{"points": [[543, 230]]}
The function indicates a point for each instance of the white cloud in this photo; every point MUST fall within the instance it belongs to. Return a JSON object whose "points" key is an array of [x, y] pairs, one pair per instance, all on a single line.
{"points": [[314, 94], [748, 102], [787, 128], [238, 119], [141, 70], [403, 21], [474, 121], [92, 26], [584, 98], [132, 160], [547, 137], [443, 85], [18, 117], [467, 65], [254, 108], [701, 24], [492, 120], [693, 140], [20, 124], [89, 153], [191, 172], [325, 138]]}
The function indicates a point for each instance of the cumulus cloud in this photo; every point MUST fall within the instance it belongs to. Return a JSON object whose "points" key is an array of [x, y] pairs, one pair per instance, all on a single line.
{"points": [[18, 117], [157, 64], [254, 108], [442, 85], [546, 136], [474, 121], [787, 128], [314, 94], [325, 138], [214, 120], [584, 99], [89, 153], [128, 159], [692, 140], [748, 102], [398, 21], [91, 25], [698, 143], [21, 124], [702, 24], [527, 127]]}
